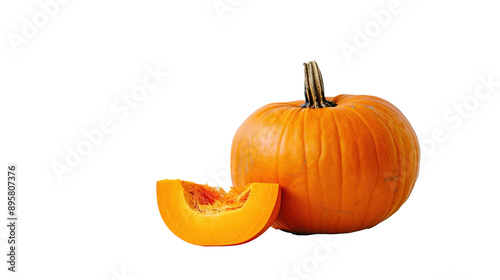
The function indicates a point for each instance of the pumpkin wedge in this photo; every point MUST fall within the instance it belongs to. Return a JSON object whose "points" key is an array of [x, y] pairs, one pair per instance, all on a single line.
{"points": [[208, 216]]}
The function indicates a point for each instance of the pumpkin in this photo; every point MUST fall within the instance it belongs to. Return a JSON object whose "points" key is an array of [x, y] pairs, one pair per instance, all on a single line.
{"points": [[208, 216], [344, 163]]}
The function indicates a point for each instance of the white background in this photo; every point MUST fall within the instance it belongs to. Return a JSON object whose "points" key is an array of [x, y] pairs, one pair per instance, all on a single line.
{"points": [[101, 220]]}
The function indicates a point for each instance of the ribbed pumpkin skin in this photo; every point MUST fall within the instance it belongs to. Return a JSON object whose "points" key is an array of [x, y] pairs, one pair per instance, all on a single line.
{"points": [[341, 169]]}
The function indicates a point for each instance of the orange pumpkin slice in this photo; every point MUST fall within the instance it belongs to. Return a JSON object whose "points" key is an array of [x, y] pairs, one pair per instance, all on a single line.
{"points": [[208, 216]]}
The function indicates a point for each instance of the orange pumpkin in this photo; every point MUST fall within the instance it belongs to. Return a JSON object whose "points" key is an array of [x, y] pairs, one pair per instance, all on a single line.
{"points": [[344, 163]]}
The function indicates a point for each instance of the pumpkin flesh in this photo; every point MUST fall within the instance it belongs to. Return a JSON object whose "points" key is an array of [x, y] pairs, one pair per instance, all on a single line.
{"points": [[208, 216]]}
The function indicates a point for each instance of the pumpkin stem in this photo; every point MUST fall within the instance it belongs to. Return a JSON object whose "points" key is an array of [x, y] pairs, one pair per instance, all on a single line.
{"points": [[314, 90]]}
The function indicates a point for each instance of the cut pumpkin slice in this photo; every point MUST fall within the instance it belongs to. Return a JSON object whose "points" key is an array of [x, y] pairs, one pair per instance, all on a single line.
{"points": [[208, 216]]}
